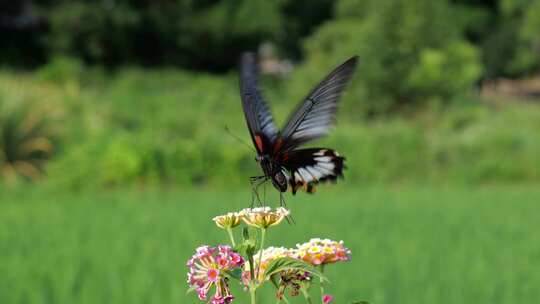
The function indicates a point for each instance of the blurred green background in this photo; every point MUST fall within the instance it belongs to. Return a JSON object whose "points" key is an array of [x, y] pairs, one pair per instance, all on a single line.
{"points": [[114, 154]]}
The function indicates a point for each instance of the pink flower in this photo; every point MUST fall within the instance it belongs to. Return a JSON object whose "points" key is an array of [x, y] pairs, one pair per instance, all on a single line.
{"points": [[213, 275], [327, 298], [206, 268]]}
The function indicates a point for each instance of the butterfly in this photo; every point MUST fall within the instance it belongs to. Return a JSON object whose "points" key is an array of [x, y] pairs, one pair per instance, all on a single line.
{"points": [[278, 152]]}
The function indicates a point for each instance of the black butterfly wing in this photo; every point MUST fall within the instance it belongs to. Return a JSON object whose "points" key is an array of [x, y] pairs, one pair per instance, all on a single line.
{"points": [[308, 167], [259, 120], [315, 115]]}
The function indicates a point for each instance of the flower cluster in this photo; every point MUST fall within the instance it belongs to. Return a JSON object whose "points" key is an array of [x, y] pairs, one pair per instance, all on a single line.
{"points": [[212, 267], [208, 267], [264, 217], [323, 251]]}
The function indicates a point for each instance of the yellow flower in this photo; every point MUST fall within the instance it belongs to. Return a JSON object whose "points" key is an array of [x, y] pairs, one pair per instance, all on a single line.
{"points": [[264, 217], [229, 220], [314, 249]]}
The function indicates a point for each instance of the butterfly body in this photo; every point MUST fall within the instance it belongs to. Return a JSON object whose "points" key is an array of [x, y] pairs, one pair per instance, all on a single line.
{"points": [[278, 152]]}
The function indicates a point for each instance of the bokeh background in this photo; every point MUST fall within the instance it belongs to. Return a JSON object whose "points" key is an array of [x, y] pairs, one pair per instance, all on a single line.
{"points": [[114, 155]]}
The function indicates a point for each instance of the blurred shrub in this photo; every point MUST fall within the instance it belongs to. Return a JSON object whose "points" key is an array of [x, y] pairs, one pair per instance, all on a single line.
{"points": [[445, 72], [195, 34], [408, 52], [61, 70], [26, 140], [121, 163], [210, 35], [93, 31], [152, 127], [527, 56], [508, 33]]}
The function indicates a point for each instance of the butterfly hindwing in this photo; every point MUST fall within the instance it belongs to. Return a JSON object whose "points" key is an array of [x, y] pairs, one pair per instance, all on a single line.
{"points": [[307, 167]]}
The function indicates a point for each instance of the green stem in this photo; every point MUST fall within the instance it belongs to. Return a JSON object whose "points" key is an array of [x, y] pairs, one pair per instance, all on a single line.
{"points": [[251, 268], [231, 236], [263, 234], [321, 281], [252, 294], [306, 295]]}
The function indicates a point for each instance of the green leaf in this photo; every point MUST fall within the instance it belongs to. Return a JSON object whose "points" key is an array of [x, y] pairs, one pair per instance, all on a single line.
{"points": [[288, 263], [248, 245], [359, 302], [240, 248], [235, 274], [246, 248]]}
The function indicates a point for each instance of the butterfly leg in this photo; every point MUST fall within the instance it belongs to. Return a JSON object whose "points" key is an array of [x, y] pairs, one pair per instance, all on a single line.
{"points": [[255, 192], [282, 200], [282, 203], [255, 182]]}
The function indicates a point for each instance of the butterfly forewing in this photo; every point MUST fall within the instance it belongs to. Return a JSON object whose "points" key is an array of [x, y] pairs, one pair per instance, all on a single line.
{"points": [[315, 115], [259, 120]]}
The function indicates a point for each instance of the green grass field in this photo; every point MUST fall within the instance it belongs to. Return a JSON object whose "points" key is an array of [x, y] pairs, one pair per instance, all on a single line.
{"points": [[410, 244]]}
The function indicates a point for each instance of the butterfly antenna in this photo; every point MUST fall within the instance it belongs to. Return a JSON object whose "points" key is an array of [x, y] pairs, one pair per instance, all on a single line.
{"points": [[238, 138]]}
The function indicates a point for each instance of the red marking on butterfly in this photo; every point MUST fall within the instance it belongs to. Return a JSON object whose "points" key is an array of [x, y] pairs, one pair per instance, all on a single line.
{"points": [[259, 142], [277, 145]]}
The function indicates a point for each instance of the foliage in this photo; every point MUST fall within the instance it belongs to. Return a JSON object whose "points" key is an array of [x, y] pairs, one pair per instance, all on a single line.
{"points": [[507, 33], [408, 53], [445, 73], [209, 35], [62, 70], [141, 127], [527, 57], [205, 35]]}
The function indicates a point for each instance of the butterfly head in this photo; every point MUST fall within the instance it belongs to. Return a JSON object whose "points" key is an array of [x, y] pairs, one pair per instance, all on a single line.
{"points": [[273, 171], [279, 181]]}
